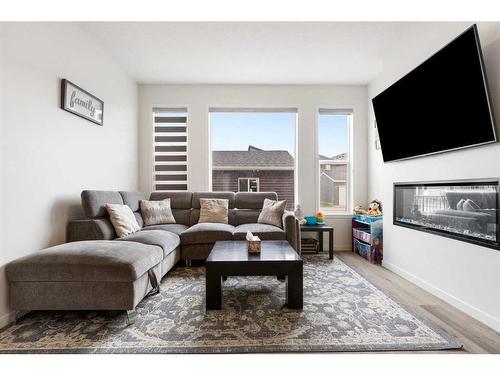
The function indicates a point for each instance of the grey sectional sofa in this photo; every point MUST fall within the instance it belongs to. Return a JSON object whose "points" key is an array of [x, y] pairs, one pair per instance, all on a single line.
{"points": [[97, 271]]}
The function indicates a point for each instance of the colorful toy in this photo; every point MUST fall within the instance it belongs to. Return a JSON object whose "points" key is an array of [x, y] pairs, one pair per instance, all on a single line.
{"points": [[375, 208], [320, 217]]}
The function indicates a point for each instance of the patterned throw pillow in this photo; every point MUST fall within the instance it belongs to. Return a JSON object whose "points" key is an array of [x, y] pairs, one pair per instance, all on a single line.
{"points": [[123, 219], [157, 212], [214, 211], [272, 212]]}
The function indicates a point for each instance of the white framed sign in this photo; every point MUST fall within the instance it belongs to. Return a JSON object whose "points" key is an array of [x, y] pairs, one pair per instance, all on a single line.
{"points": [[76, 100]]}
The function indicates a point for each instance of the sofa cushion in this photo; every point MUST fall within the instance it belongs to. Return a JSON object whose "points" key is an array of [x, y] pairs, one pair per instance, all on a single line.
{"points": [[132, 199], [168, 241], [253, 200], [207, 233], [123, 219], [87, 261], [94, 202], [245, 216], [263, 231], [182, 216], [174, 228]]}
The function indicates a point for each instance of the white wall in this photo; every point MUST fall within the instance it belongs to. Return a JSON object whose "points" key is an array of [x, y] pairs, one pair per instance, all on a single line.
{"points": [[49, 155], [307, 99], [465, 275]]}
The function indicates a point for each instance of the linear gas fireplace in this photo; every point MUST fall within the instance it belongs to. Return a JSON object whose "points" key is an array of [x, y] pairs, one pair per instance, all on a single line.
{"points": [[464, 210]]}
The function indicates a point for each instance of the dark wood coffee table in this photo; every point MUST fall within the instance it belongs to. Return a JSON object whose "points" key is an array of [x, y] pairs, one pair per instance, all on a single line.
{"points": [[231, 258]]}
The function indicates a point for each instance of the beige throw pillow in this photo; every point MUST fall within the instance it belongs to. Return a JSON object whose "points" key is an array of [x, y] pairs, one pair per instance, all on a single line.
{"points": [[157, 212], [213, 211], [272, 212], [123, 219]]}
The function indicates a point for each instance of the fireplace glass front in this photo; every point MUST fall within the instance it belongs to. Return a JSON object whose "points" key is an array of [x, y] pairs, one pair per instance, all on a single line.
{"points": [[463, 210]]}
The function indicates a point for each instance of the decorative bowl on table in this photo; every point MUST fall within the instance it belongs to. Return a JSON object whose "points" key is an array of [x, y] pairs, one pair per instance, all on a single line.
{"points": [[311, 220]]}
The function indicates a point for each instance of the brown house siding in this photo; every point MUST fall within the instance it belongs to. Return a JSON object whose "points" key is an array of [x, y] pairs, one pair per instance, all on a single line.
{"points": [[280, 181]]}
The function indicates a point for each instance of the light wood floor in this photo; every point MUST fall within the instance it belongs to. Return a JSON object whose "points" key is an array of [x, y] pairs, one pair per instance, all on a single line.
{"points": [[475, 336]]}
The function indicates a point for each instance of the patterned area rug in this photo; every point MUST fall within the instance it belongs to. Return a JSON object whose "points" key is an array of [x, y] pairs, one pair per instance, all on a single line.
{"points": [[342, 312]]}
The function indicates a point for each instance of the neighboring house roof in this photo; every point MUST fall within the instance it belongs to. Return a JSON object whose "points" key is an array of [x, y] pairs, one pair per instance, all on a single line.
{"points": [[253, 158], [341, 156]]}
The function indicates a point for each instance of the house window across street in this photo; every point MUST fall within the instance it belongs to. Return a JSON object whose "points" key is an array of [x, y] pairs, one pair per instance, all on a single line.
{"points": [[248, 184]]}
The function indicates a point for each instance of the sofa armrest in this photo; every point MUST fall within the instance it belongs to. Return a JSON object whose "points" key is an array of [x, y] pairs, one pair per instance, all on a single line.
{"points": [[89, 229], [292, 229]]}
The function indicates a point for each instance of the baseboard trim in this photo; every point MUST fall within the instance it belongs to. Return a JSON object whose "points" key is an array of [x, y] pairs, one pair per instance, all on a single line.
{"points": [[6, 319], [474, 312]]}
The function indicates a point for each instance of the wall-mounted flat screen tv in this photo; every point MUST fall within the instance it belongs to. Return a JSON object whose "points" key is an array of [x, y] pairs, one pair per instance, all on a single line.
{"points": [[441, 105]]}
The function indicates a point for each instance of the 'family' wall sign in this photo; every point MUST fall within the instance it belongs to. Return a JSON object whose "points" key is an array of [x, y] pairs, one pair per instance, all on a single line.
{"points": [[81, 103]]}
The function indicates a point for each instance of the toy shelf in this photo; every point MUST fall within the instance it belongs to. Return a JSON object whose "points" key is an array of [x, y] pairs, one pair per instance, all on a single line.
{"points": [[367, 238]]}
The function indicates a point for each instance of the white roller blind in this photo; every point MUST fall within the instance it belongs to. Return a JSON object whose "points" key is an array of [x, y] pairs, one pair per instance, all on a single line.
{"points": [[170, 149]]}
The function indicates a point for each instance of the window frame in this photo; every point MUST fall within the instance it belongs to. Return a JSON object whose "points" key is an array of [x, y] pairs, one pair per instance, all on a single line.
{"points": [[256, 109], [324, 111]]}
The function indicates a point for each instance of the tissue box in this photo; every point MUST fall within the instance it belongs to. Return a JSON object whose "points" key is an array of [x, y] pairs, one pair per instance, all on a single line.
{"points": [[254, 246]]}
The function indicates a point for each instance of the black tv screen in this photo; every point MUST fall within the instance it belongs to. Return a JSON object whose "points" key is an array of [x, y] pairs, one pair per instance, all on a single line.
{"points": [[441, 105]]}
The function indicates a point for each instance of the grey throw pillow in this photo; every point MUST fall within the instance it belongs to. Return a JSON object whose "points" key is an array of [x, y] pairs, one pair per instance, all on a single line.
{"points": [[157, 212], [214, 211], [272, 212], [123, 219]]}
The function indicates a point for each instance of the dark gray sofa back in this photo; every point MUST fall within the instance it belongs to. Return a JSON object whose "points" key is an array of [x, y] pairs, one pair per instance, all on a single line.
{"points": [[94, 201], [243, 207], [133, 200], [253, 200], [249, 205]]}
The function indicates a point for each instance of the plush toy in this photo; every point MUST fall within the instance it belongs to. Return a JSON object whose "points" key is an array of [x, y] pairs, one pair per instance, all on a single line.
{"points": [[359, 210], [375, 208]]}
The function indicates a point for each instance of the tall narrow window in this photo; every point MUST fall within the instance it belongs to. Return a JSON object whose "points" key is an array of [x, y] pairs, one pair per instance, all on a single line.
{"points": [[254, 150], [170, 149], [334, 160]]}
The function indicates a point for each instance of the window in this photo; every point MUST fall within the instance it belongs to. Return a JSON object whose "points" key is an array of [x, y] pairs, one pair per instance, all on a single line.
{"points": [[254, 150], [248, 184], [170, 149], [334, 160]]}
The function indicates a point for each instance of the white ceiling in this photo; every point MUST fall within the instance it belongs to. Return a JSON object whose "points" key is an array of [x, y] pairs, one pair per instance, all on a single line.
{"points": [[249, 53]]}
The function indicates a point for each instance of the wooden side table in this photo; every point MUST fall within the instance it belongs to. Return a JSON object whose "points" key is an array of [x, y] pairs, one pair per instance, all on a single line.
{"points": [[320, 229]]}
